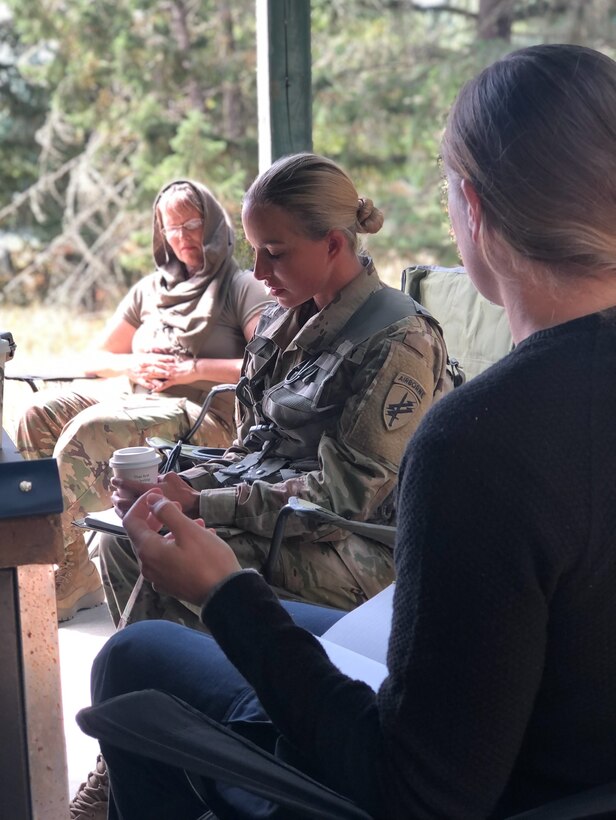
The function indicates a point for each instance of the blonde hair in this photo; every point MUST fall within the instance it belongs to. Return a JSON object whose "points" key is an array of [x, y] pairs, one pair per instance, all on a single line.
{"points": [[319, 194], [178, 193], [535, 134]]}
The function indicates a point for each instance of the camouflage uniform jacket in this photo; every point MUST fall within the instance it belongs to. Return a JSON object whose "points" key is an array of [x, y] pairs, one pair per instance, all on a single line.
{"points": [[333, 432]]}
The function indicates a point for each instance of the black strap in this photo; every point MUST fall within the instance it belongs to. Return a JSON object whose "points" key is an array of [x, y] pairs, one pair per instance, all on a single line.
{"points": [[380, 310]]}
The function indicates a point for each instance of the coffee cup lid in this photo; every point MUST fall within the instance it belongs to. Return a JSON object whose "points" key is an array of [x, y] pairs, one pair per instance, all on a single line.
{"points": [[133, 455]]}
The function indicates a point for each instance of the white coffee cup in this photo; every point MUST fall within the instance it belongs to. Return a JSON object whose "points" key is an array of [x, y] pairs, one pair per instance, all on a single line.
{"points": [[136, 464]]}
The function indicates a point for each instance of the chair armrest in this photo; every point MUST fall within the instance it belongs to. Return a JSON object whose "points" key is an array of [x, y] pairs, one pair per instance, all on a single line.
{"points": [[175, 451], [219, 388], [320, 515], [159, 726], [32, 378]]}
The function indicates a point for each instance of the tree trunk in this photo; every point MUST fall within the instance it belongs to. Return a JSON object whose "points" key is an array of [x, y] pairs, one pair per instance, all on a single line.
{"points": [[180, 29], [495, 19], [232, 110]]}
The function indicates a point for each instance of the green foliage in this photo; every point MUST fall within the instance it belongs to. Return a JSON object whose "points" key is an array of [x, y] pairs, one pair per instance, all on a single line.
{"points": [[101, 103], [22, 111], [380, 108], [195, 152]]}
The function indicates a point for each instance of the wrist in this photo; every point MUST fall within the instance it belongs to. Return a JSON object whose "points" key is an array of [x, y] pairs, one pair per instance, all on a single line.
{"points": [[190, 372]]}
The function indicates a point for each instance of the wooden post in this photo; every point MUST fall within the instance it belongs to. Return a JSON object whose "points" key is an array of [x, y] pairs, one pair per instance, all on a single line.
{"points": [[33, 774], [284, 86]]}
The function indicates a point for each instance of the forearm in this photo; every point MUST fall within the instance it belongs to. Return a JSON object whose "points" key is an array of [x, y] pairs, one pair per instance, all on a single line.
{"points": [[352, 489], [221, 371], [105, 364]]}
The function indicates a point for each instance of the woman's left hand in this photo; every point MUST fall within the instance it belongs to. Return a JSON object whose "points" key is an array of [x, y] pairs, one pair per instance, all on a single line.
{"points": [[189, 561], [172, 373]]}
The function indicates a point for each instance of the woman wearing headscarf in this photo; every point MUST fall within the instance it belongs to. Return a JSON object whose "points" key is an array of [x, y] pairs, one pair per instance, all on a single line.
{"points": [[178, 332]]}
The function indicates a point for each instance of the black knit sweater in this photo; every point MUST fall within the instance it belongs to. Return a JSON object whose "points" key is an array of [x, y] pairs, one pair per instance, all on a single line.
{"points": [[502, 660]]}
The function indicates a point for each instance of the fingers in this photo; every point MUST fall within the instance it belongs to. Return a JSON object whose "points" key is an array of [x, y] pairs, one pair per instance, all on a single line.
{"points": [[125, 492], [140, 520], [175, 488], [127, 485], [187, 562], [170, 514]]}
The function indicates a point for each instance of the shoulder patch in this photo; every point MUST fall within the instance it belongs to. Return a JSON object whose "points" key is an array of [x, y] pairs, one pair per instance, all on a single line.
{"points": [[401, 400]]}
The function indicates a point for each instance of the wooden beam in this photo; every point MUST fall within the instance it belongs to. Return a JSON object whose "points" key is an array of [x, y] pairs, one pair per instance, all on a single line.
{"points": [[284, 85]]}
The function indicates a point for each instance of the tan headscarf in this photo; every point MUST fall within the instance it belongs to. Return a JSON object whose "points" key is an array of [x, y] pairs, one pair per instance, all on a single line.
{"points": [[189, 305]]}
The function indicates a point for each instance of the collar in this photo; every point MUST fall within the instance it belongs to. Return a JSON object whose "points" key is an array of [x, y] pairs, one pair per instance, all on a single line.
{"points": [[292, 330]]}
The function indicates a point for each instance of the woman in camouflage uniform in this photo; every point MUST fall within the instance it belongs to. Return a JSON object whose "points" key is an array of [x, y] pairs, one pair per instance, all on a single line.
{"points": [[336, 380]]}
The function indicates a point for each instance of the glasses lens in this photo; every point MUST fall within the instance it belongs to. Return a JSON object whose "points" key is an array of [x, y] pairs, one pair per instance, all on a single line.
{"points": [[191, 225]]}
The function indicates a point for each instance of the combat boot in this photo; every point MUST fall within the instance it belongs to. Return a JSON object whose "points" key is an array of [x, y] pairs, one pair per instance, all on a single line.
{"points": [[92, 798], [78, 584]]}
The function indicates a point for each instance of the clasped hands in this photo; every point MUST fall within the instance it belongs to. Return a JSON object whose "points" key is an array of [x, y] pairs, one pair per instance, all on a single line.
{"points": [[187, 562], [158, 371]]}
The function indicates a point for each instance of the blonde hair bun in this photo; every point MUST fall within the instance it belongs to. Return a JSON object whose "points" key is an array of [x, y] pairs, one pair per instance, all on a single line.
{"points": [[319, 194], [369, 218]]}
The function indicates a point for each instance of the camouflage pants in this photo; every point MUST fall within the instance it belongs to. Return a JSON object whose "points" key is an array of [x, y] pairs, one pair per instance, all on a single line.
{"points": [[82, 432], [341, 574]]}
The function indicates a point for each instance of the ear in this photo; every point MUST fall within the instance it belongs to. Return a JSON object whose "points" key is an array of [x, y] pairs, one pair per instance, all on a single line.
{"points": [[336, 241], [474, 213]]}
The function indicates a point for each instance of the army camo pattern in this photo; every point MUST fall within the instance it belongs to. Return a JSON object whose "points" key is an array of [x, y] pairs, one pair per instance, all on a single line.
{"points": [[379, 393], [82, 432]]}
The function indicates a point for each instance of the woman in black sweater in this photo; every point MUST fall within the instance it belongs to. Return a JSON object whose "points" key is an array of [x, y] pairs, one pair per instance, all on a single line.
{"points": [[501, 692]]}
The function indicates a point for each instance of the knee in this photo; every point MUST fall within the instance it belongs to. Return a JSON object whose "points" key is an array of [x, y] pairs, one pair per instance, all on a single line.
{"points": [[47, 413], [130, 659], [34, 421], [84, 435]]}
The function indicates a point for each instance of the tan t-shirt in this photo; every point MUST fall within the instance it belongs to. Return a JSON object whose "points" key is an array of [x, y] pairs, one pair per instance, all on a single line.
{"points": [[245, 298]]}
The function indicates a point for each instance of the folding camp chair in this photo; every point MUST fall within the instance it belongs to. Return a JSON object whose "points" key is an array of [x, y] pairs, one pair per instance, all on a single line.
{"points": [[159, 726], [182, 448], [476, 331]]}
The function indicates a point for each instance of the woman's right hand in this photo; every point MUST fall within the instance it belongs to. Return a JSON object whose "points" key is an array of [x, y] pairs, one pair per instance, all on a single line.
{"points": [[126, 492], [147, 369], [189, 561]]}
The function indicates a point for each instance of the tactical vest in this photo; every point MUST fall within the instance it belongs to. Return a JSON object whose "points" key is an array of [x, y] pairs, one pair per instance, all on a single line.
{"points": [[292, 415]]}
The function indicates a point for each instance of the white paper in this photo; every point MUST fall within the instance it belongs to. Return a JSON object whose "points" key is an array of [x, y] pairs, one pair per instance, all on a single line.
{"points": [[356, 666], [365, 630]]}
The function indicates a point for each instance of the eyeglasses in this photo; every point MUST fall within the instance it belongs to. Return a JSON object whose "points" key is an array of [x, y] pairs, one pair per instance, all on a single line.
{"points": [[191, 225]]}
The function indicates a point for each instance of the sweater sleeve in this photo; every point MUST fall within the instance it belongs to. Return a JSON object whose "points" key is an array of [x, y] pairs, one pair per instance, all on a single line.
{"points": [[307, 698]]}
